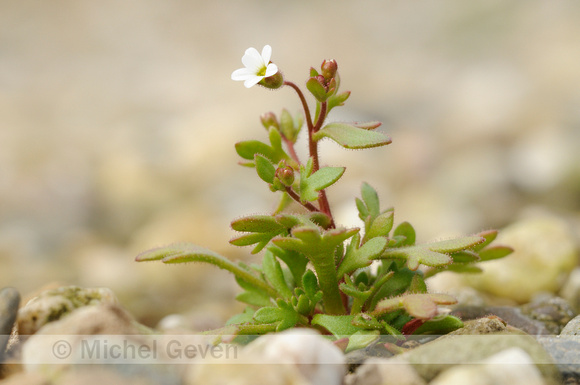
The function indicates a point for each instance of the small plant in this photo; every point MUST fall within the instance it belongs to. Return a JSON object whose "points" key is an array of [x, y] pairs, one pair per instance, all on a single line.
{"points": [[314, 272]]}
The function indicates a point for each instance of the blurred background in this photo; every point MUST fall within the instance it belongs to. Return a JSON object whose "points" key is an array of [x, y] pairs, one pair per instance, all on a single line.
{"points": [[118, 120]]}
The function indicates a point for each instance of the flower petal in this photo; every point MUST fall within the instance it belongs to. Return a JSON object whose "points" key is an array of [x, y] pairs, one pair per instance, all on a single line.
{"points": [[250, 82], [252, 59], [242, 74], [271, 70], [266, 54]]}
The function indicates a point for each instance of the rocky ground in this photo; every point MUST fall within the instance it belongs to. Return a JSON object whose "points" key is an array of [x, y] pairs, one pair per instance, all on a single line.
{"points": [[117, 132]]}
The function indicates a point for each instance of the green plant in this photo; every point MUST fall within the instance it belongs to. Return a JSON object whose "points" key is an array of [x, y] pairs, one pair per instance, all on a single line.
{"points": [[315, 273]]}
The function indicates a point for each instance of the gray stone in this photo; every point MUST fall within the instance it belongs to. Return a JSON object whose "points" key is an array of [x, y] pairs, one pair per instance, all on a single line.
{"points": [[478, 340], [572, 328], [553, 312], [510, 314], [9, 301], [51, 305], [511, 366], [565, 351]]}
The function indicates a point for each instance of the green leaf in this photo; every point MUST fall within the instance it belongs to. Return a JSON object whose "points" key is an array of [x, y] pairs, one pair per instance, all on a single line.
{"points": [[381, 225], [295, 261], [489, 236], [258, 224], [406, 230], [339, 325], [368, 125], [356, 257], [418, 284], [349, 136], [310, 285], [337, 100], [465, 256], [453, 245], [310, 185], [440, 325], [265, 169], [186, 252], [276, 142], [284, 314], [495, 252], [361, 339], [274, 275], [431, 254], [316, 89], [248, 150], [371, 200], [289, 127], [246, 316]]}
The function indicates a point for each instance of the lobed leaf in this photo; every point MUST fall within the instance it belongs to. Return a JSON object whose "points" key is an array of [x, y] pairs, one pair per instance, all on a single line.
{"points": [[431, 254]]}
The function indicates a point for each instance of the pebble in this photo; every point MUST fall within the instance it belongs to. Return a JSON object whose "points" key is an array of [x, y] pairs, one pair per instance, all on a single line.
{"points": [[571, 289], [381, 371], [38, 354], [54, 304], [545, 253], [511, 366], [9, 301], [553, 312], [478, 340], [572, 328], [296, 356]]}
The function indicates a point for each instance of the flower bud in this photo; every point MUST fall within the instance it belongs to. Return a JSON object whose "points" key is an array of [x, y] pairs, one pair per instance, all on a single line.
{"points": [[329, 68], [268, 120], [273, 82], [285, 174]]}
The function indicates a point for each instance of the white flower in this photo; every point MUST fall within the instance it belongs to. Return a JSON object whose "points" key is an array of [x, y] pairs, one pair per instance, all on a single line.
{"points": [[257, 67]]}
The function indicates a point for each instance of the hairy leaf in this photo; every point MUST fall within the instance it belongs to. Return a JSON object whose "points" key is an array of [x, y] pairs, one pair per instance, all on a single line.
{"points": [[265, 169], [310, 185], [356, 257], [349, 136], [274, 275], [495, 252], [258, 224], [186, 252], [431, 254], [248, 149], [339, 325], [406, 230]]}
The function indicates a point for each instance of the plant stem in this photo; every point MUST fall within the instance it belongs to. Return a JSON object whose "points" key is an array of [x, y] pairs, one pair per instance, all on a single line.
{"points": [[291, 150], [313, 145], [304, 104], [309, 206], [326, 271]]}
